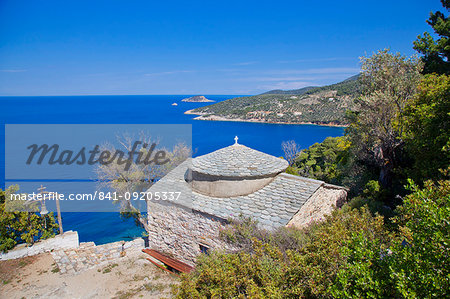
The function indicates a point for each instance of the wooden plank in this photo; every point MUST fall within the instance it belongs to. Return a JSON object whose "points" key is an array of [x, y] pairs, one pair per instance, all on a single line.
{"points": [[161, 267], [177, 265]]}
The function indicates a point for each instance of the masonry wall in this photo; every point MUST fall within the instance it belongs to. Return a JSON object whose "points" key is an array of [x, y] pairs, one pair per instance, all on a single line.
{"points": [[322, 202], [178, 231], [68, 240]]}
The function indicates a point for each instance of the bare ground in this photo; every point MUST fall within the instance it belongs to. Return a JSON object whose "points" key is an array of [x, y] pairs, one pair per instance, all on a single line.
{"points": [[38, 277]]}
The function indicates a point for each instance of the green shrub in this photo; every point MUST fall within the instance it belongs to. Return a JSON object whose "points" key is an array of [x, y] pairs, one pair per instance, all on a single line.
{"points": [[244, 230], [351, 254], [289, 263], [427, 130], [332, 161], [23, 227], [421, 255], [326, 160], [292, 170]]}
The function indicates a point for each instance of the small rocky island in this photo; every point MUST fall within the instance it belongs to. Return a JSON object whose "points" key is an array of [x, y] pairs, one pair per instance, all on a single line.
{"points": [[197, 99]]}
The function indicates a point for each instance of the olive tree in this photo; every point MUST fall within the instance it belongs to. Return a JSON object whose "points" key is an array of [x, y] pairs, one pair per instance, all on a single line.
{"points": [[141, 172], [388, 82]]}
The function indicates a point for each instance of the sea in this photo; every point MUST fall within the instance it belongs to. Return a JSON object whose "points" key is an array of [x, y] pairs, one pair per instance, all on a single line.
{"points": [[207, 136]]}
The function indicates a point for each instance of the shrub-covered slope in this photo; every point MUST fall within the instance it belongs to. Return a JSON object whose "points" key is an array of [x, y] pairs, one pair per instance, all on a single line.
{"points": [[319, 105]]}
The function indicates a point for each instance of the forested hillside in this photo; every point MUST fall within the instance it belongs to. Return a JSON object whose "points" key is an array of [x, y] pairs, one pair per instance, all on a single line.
{"points": [[318, 105]]}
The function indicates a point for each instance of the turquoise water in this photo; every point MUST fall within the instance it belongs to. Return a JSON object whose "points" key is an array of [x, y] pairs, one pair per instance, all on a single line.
{"points": [[207, 136]]}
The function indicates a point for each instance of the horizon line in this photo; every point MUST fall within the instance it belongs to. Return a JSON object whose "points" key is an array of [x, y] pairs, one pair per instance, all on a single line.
{"points": [[118, 95]]}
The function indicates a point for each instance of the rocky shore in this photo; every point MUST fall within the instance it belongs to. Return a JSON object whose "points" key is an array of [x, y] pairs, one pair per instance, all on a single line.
{"points": [[213, 117]]}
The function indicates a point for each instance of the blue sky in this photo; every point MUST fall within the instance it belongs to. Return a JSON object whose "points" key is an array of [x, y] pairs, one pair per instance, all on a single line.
{"points": [[51, 47]]}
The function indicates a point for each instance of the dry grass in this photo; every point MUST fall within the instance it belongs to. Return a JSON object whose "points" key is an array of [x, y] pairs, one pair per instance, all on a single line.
{"points": [[10, 269]]}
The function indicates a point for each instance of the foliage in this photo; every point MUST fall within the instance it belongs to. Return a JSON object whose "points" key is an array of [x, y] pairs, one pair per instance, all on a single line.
{"points": [[22, 227], [388, 82], [427, 129], [324, 161], [372, 196], [309, 269], [331, 251], [400, 131], [137, 177], [436, 52], [292, 170], [373, 147], [319, 105], [355, 252], [241, 231], [333, 161], [299, 91], [349, 86], [351, 254], [330, 161], [420, 259], [244, 230], [235, 275]]}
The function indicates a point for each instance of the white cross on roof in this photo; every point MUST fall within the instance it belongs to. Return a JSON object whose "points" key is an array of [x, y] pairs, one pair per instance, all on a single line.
{"points": [[236, 140]]}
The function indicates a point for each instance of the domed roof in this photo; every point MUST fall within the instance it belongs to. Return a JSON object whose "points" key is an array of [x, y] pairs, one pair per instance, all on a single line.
{"points": [[238, 161]]}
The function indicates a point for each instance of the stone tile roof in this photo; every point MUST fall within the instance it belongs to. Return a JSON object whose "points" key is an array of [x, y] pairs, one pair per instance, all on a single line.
{"points": [[273, 205], [238, 161]]}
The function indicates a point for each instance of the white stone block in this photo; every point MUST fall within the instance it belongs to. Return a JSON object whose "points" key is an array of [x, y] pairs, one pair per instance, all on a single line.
{"points": [[68, 240]]}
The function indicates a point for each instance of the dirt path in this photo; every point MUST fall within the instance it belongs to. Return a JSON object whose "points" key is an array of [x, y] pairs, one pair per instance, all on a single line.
{"points": [[38, 277]]}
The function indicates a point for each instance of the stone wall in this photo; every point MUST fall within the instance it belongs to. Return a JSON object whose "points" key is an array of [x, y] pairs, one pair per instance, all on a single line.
{"points": [[321, 203], [89, 255], [68, 240], [179, 232]]}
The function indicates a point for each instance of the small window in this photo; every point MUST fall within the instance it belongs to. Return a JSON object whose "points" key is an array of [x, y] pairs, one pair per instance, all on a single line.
{"points": [[204, 249]]}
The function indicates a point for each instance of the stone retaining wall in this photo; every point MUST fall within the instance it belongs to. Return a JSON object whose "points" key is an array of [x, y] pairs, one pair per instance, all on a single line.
{"points": [[89, 255], [68, 240]]}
